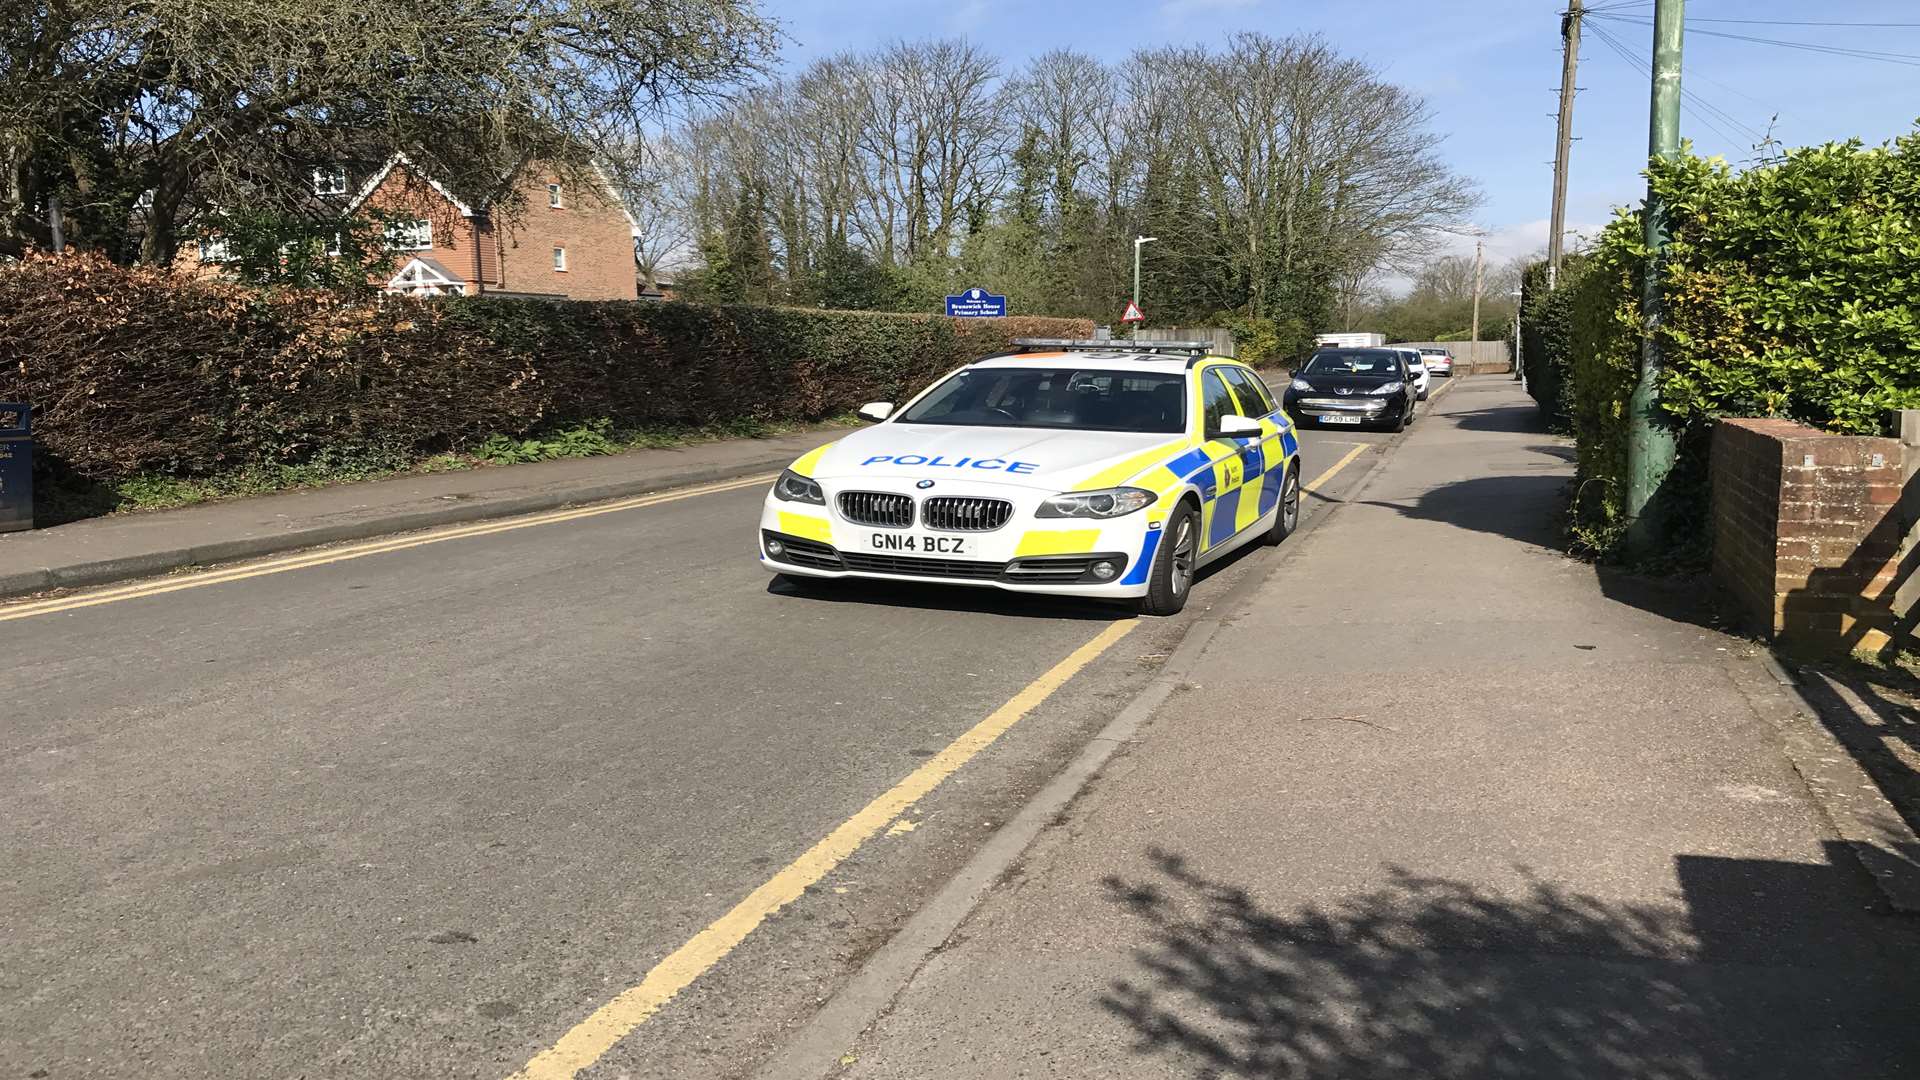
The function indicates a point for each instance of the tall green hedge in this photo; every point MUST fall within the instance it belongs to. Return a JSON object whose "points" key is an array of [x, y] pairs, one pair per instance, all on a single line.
{"points": [[1792, 289], [1546, 318], [140, 371]]}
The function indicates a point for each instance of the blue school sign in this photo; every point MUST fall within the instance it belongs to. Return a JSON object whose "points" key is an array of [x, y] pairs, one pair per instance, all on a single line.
{"points": [[976, 304]]}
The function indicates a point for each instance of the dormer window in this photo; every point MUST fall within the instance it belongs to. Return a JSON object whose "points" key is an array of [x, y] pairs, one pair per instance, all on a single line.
{"points": [[553, 196], [330, 180], [413, 235]]}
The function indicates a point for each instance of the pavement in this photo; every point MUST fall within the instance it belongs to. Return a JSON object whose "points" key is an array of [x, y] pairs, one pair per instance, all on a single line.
{"points": [[1436, 801], [423, 805], [119, 547]]}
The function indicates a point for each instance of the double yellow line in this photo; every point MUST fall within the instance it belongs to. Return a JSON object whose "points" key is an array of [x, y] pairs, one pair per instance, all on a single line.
{"points": [[326, 556], [590, 1039]]}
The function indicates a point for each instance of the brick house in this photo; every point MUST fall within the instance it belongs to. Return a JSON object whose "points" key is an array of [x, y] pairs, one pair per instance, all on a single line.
{"points": [[560, 239]]}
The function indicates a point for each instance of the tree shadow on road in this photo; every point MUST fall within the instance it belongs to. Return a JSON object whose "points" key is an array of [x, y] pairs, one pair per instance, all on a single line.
{"points": [[1760, 970]]}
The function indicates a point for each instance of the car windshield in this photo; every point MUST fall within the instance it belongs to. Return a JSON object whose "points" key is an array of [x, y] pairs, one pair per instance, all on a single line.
{"points": [[1089, 399], [1375, 362]]}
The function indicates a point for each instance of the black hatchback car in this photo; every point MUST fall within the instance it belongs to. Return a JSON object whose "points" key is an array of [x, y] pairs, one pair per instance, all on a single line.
{"points": [[1353, 386]]}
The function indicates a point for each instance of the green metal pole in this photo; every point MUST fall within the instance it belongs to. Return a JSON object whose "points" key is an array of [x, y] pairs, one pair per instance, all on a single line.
{"points": [[1650, 444]]}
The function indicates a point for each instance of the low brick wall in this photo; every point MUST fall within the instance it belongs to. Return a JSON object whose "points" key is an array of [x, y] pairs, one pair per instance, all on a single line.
{"points": [[1810, 534]]}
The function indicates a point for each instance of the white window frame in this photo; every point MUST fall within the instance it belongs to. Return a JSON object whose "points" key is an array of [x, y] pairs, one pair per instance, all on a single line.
{"points": [[414, 234], [559, 260], [554, 197], [330, 180]]}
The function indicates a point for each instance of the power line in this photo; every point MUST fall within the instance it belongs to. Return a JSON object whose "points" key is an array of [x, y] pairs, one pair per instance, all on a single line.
{"points": [[1803, 22], [1903, 59], [1709, 114]]}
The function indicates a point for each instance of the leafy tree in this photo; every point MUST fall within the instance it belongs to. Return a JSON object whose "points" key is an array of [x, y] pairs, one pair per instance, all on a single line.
{"points": [[146, 119], [262, 247]]}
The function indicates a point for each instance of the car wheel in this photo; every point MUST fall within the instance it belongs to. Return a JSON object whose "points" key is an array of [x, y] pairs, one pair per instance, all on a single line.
{"points": [[1288, 517], [1171, 576], [1400, 422], [1425, 393]]}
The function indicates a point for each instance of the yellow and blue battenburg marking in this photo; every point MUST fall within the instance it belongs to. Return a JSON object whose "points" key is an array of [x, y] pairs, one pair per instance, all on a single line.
{"points": [[1262, 468]]}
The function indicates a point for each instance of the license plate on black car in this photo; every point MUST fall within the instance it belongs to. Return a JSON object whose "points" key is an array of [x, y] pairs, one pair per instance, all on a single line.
{"points": [[1340, 420]]}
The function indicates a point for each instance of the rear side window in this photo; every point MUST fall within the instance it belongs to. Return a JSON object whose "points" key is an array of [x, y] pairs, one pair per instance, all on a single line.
{"points": [[1255, 401]]}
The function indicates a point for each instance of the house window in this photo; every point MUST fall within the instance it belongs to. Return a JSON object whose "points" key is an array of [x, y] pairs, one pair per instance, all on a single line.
{"points": [[216, 250], [553, 195], [560, 259], [330, 180], [414, 235]]}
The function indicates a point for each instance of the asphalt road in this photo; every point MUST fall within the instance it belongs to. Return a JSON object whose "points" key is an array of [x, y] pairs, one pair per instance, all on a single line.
{"points": [[418, 814]]}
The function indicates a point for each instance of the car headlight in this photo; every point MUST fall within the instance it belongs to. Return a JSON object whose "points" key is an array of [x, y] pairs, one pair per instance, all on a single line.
{"points": [[1303, 386], [1105, 503], [1393, 387], [792, 487]]}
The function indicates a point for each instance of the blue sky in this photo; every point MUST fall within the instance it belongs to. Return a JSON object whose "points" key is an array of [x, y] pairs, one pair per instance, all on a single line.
{"points": [[1489, 68]]}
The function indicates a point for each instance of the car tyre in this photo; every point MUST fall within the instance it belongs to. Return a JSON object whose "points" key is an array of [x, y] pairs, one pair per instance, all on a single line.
{"points": [[1424, 394], [1286, 516], [1170, 578], [1406, 417]]}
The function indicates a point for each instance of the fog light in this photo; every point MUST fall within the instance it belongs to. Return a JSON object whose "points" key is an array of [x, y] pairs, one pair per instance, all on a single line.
{"points": [[1104, 570], [775, 547]]}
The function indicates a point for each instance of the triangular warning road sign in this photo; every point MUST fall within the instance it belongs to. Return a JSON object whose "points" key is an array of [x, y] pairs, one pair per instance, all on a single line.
{"points": [[1134, 314]]}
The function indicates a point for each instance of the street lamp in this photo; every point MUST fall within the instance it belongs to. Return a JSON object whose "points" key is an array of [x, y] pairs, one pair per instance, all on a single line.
{"points": [[1137, 241]]}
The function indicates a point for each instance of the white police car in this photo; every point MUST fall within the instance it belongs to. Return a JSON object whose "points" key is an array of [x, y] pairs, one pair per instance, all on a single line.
{"points": [[1082, 468]]}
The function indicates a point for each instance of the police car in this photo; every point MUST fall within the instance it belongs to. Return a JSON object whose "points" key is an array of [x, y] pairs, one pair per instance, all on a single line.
{"points": [[1083, 468]]}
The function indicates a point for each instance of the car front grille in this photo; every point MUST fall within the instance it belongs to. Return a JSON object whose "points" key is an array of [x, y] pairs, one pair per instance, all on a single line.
{"points": [[919, 567], [882, 510], [950, 514]]}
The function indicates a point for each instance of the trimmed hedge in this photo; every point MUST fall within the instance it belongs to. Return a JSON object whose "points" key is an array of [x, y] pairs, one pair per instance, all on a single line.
{"points": [[140, 371], [1546, 318], [1792, 289]]}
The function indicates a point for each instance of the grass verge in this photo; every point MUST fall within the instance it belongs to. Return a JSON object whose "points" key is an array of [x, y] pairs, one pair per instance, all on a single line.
{"points": [[61, 497]]}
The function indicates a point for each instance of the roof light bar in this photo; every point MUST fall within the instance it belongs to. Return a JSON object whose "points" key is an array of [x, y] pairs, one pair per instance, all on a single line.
{"points": [[1123, 345]]}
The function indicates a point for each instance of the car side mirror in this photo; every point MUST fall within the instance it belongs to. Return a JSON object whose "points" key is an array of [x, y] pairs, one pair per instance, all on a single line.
{"points": [[876, 411], [1238, 427]]}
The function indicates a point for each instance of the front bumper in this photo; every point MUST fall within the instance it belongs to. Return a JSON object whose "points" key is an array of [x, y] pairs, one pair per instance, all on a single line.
{"points": [[1072, 574], [1026, 554], [1367, 407]]}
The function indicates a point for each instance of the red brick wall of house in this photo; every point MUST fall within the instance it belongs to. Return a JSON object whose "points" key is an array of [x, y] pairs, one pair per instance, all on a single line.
{"points": [[1808, 532], [454, 238], [590, 225]]}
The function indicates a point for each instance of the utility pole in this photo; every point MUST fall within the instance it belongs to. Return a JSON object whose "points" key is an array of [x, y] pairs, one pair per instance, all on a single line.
{"points": [[1137, 241], [1473, 346], [1650, 444], [1563, 144]]}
